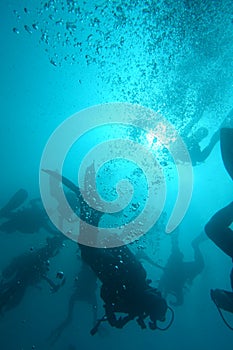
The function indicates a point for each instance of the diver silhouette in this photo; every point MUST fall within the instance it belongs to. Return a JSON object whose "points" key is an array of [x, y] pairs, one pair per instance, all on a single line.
{"points": [[27, 270], [177, 273], [192, 142], [218, 228], [125, 288], [197, 154], [27, 219]]}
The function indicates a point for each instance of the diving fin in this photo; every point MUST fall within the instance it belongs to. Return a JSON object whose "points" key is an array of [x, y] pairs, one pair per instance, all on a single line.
{"points": [[222, 299], [16, 200], [226, 143]]}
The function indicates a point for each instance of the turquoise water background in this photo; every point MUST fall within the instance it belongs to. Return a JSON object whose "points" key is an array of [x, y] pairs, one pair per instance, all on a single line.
{"points": [[59, 57]]}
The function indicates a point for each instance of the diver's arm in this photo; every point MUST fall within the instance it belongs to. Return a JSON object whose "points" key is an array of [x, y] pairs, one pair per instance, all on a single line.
{"points": [[122, 321], [193, 268], [219, 231], [54, 287], [179, 298], [113, 321], [141, 255], [208, 149], [111, 317], [194, 120]]}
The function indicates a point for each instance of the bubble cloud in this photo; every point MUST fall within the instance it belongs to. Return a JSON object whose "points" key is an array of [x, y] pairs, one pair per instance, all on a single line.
{"points": [[158, 129]]}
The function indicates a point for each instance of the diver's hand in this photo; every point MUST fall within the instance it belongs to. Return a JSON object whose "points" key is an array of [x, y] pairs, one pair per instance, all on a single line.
{"points": [[56, 287], [119, 323]]}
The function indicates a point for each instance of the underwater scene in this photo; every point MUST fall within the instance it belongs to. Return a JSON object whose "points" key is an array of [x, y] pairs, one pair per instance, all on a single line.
{"points": [[116, 204]]}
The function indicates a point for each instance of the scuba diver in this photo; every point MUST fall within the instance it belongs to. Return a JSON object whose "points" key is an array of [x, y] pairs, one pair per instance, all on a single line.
{"points": [[218, 228], [85, 285], [192, 143], [125, 288], [27, 219], [27, 270], [177, 274]]}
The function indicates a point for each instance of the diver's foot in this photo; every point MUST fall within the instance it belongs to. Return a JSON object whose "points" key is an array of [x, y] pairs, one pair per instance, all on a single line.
{"points": [[223, 299]]}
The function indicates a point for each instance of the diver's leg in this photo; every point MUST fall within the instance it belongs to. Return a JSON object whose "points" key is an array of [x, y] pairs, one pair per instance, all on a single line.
{"points": [[54, 287], [198, 261], [198, 257], [217, 229], [56, 333]]}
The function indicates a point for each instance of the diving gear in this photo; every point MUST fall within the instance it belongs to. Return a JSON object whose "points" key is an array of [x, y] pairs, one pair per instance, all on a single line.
{"points": [[223, 299]]}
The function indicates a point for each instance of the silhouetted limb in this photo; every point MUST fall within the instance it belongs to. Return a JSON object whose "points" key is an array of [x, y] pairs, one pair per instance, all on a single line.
{"points": [[16, 200], [141, 255], [178, 273], [56, 333], [218, 230], [54, 287]]}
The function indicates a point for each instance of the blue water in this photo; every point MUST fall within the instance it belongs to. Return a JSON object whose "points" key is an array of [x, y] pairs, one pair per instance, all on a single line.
{"points": [[60, 57]]}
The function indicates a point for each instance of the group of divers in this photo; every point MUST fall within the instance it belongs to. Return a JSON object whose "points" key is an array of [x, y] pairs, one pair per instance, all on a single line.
{"points": [[126, 291]]}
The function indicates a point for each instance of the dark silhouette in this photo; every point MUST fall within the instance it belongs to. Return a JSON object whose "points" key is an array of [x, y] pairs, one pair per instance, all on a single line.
{"points": [[178, 274], [16, 200], [124, 288], [193, 145], [72, 199], [27, 219], [28, 270], [85, 286], [218, 228], [192, 142]]}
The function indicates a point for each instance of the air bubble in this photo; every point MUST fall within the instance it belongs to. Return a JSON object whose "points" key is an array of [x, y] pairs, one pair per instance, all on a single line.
{"points": [[15, 30]]}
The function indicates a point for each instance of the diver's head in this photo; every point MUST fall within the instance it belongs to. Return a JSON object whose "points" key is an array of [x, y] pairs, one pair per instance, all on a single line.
{"points": [[157, 307], [201, 133]]}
